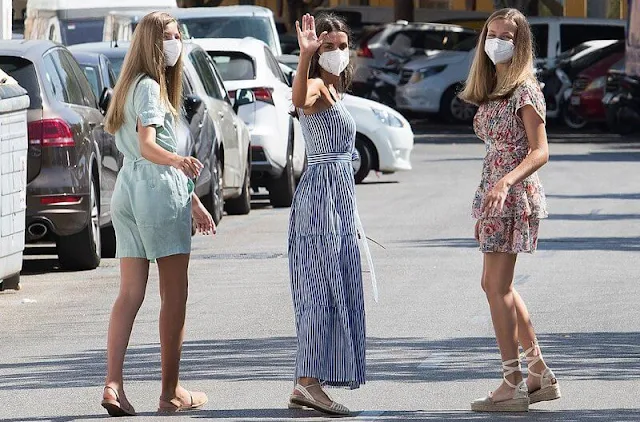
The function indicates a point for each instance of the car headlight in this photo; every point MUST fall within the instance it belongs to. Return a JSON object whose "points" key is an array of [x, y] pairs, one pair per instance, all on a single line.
{"points": [[425, 72], [598, 83], [387, 118]]}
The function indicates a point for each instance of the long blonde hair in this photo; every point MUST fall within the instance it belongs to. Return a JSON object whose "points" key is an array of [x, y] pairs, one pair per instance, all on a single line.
{"points": [[482, 84], [146, 57]]}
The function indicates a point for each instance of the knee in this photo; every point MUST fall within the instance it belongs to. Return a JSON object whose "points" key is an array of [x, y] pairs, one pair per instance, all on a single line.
{"points": [[132, 298], [494, 288]]}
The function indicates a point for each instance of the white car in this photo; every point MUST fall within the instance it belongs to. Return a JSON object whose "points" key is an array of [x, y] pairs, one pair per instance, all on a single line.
{"points": [[384, 138], [278, 155]]}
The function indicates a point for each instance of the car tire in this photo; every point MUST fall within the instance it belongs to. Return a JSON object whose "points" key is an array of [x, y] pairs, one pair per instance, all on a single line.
{"points": [[10, 283], [81, 251], [362, 166], [214, 201], [282, 189], [453, 109], [242, 204], [108, 242], [572, 119]]}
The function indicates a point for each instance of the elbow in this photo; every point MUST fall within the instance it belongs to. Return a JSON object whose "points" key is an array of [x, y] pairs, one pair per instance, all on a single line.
{"points": [[297, 102], [544, 157]]}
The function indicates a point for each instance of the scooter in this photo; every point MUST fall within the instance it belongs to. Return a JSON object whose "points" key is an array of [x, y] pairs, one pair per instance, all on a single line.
{"points": [[624, 106]]}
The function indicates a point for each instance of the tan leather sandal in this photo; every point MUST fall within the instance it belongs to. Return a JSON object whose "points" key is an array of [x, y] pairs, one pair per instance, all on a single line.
{"points": [[196, 398], [307, 400], [549, 387], [520, 400], [114, 407]]}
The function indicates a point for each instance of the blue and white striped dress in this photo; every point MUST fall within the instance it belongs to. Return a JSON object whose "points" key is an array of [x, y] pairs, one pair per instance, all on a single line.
{"points": [[324, 258]]}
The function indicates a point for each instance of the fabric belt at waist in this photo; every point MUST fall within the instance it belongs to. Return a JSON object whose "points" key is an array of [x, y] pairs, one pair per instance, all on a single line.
{"points": [[329, 157]]}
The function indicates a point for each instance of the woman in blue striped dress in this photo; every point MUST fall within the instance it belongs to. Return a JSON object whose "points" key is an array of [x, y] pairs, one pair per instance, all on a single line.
{"points": [[324, 259]]}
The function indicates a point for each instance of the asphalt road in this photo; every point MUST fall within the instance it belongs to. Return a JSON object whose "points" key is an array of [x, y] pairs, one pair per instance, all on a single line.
{"points": [[430, 344]]}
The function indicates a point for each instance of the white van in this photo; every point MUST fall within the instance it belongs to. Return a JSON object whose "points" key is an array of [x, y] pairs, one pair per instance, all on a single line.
{"points": [[430, 84], [75, 21]]}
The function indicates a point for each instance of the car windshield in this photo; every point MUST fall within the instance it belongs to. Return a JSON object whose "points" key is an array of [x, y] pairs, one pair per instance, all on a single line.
{"points": [[231, 27], [24, 72], [467, 45], [92, 75], [233, 66], [80, 31]]}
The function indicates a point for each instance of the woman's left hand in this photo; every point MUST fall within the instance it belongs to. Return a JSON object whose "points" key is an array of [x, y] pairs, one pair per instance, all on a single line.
{"points": [[494, 200], [202, 219]]}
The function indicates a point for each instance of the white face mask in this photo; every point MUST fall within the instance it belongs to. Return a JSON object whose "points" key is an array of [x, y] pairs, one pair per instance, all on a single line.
{"points": [[499, 51], [335, 61], [172, 50]]}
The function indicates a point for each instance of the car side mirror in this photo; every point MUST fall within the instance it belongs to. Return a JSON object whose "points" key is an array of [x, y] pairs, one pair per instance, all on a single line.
{"points": [[243, 97], [192, 104], [105, 99]]}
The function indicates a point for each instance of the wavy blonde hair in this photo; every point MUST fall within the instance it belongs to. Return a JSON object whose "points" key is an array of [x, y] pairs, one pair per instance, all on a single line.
{"points": [[482, 84], [146, 57]]}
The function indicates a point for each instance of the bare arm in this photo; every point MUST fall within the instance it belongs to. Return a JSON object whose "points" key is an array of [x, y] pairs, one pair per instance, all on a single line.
{"points": [[537, 157], [153, 152], [306, 92]]}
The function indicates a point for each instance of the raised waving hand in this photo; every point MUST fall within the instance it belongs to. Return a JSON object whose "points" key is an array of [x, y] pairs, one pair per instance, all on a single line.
{"points": [[308, 40]]}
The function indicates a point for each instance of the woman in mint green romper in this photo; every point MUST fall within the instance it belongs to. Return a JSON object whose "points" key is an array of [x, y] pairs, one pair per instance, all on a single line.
{"points": [[152, 208]]}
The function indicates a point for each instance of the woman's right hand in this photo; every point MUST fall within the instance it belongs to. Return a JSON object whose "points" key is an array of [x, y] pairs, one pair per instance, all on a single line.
{"points": [[477, 231], [190, 166], [308, 40]]}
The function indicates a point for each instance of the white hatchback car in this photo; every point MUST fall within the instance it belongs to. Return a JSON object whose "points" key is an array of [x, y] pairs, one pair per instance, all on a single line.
{"points": [[384, 138], [277, 146]]}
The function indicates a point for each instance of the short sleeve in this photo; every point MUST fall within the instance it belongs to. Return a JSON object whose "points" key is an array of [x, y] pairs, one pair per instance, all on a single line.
{"points": [[147, 103], [530, 93]]}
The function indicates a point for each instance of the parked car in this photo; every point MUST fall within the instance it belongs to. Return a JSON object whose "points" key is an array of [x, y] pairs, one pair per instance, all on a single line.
{"points": [[203, 133], [589, 87], [384, 138], [230, 22], [278, 157], [425, 39], [99, 72], [70, 164]]}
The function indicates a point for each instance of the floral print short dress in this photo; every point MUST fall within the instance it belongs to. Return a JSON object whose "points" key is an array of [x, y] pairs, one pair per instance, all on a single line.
{"points": [[498, 124]]}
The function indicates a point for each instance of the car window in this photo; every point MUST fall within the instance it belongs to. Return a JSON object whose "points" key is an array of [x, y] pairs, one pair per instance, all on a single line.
{"points": [[571, 35], [199, 61], [92, 75], [273, 66], [71, 88], [116, 65], [218, 78], [234, 66], [24, 72], [112, 76], [231, 27], [80, 80], [54, 78], [540, 34], [78, 31]]}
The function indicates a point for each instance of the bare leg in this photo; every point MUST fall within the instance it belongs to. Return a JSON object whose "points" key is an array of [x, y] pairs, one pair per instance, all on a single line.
{"points": [[173, 295], [134, 273], [497, 282], [527, 336]]}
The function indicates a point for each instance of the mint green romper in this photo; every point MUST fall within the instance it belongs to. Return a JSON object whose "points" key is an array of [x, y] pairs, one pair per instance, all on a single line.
{"points": [[151, 204]]}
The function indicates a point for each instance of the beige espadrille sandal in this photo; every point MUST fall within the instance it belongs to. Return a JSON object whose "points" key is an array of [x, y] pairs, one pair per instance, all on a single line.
{"points": [[520, 400], [307, 400], [549, 387]]}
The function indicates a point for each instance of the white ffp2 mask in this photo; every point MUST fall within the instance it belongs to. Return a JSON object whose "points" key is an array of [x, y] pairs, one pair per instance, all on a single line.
{"points": [[499, 51], [172, 50], [335, 61]]}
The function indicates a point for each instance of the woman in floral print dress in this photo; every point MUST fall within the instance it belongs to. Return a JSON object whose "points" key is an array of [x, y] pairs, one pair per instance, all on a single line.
{"points": [[510, 201]]}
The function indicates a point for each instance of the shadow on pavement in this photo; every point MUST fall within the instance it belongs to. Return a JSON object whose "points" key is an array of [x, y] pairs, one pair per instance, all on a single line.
{"points": [[621, 244], [588, 415], [577, 356], [599, 156], [631, 196]]}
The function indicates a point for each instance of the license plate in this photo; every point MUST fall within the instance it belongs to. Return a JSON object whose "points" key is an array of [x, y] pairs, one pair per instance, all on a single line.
{"points": [[607, 98], [575, 101]]}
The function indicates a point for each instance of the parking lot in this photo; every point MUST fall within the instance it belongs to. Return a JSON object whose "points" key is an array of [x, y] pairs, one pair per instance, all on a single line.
{"points": [[431, 346]]}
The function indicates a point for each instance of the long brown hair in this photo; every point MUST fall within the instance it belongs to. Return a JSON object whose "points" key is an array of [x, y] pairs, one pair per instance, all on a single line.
{"points": [[330, 22], [482, 84], [146, 57]]}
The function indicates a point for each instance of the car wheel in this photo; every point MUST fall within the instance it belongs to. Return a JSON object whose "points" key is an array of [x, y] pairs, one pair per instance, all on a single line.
{"points": [[81, 251], [108, 240], [573, 119], [214, 201], [362, 164], [242, 204], [10, 283], [282, 189], [454, 109]]}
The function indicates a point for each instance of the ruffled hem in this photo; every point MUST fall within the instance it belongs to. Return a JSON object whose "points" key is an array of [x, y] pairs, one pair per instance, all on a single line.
{"points": [[508, 235]]}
